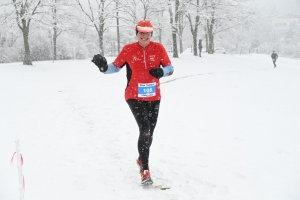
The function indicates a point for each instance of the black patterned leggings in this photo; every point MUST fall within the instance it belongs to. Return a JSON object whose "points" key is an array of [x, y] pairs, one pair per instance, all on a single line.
{"points": [[145, 114]]}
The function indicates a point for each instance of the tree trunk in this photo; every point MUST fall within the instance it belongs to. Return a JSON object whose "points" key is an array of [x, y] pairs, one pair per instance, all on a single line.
{"points": [[118, 28], [194, 31], [211, 43], [206, 37], [195, 43], [159, 35], [100, 34], [210, 37], [54, 44], [173, 26], [54, 33], [27, 59], [101, 29], [160, 14], [175, 51], [194, 28], [180, 32]]}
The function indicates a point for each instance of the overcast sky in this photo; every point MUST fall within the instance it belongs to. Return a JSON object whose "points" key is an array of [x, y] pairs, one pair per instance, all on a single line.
{"points": [[282, 6]]}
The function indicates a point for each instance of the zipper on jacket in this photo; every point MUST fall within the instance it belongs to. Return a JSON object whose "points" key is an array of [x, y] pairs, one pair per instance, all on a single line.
{"points": [[145, 57]]}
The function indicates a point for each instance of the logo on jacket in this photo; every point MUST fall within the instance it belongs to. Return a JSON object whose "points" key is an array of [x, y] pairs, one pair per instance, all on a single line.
{"points": [[152, 58], [135, 58]]}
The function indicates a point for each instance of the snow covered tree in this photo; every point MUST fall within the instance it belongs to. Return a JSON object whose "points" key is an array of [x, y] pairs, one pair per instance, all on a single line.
{"points": [[181, 26], [118, 25], [174, 18], [193, 15], [57, 18], [222, 15], [97, 17], [8, 30], [25, 10]]}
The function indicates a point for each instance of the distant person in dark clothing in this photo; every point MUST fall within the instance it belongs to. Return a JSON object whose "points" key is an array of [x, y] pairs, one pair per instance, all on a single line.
{"points": [[274, 57], [200, 47]]}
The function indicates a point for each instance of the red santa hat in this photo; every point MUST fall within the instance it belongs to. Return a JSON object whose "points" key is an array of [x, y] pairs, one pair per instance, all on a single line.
{"points": [[144, 26]]}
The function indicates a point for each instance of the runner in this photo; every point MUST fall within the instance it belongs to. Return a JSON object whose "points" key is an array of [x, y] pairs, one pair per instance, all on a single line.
{"points": [[143, 60]]}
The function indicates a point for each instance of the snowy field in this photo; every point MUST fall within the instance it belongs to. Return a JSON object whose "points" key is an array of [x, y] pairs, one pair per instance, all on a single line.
{"points": [[228, 129]]}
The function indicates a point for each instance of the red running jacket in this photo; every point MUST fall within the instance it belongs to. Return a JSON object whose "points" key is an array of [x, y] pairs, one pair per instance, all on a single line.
{"points": [[138, 60]]}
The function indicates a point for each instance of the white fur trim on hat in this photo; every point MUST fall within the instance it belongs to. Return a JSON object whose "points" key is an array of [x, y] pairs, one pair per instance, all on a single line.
{"points": [[144, 29]]}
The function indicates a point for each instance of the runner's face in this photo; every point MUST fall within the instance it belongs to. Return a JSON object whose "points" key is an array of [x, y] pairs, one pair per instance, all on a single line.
{"points": [[144, 38]]}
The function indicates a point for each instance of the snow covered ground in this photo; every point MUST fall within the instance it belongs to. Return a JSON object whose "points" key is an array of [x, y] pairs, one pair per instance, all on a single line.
{"points": [[228, 129]]}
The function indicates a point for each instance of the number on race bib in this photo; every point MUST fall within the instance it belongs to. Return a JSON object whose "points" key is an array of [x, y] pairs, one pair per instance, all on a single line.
{"points": [[146, 89]]}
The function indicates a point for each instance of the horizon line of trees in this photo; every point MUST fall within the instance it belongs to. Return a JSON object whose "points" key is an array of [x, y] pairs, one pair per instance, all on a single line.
{"points": [[64, 29]]}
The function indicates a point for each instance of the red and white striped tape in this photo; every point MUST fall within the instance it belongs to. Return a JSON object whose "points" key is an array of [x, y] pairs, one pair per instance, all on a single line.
{"points": [[21, 161]]}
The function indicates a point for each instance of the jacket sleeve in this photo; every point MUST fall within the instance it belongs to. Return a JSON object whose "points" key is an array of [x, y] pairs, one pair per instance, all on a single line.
{"points": [[168, 70], [112, 69]]}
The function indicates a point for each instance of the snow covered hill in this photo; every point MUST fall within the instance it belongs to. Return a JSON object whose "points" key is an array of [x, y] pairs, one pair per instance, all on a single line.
{"points": [[228, 129]]}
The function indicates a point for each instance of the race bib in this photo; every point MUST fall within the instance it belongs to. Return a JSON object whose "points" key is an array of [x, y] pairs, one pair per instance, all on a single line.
{"points": [[146, 89]]}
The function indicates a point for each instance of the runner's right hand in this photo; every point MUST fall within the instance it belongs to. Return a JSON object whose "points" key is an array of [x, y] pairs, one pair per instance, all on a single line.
{"points": [[101, 62]]}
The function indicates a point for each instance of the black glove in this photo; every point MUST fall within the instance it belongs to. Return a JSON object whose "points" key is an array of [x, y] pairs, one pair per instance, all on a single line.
{"points": [[101, 62], [157, 72]]}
